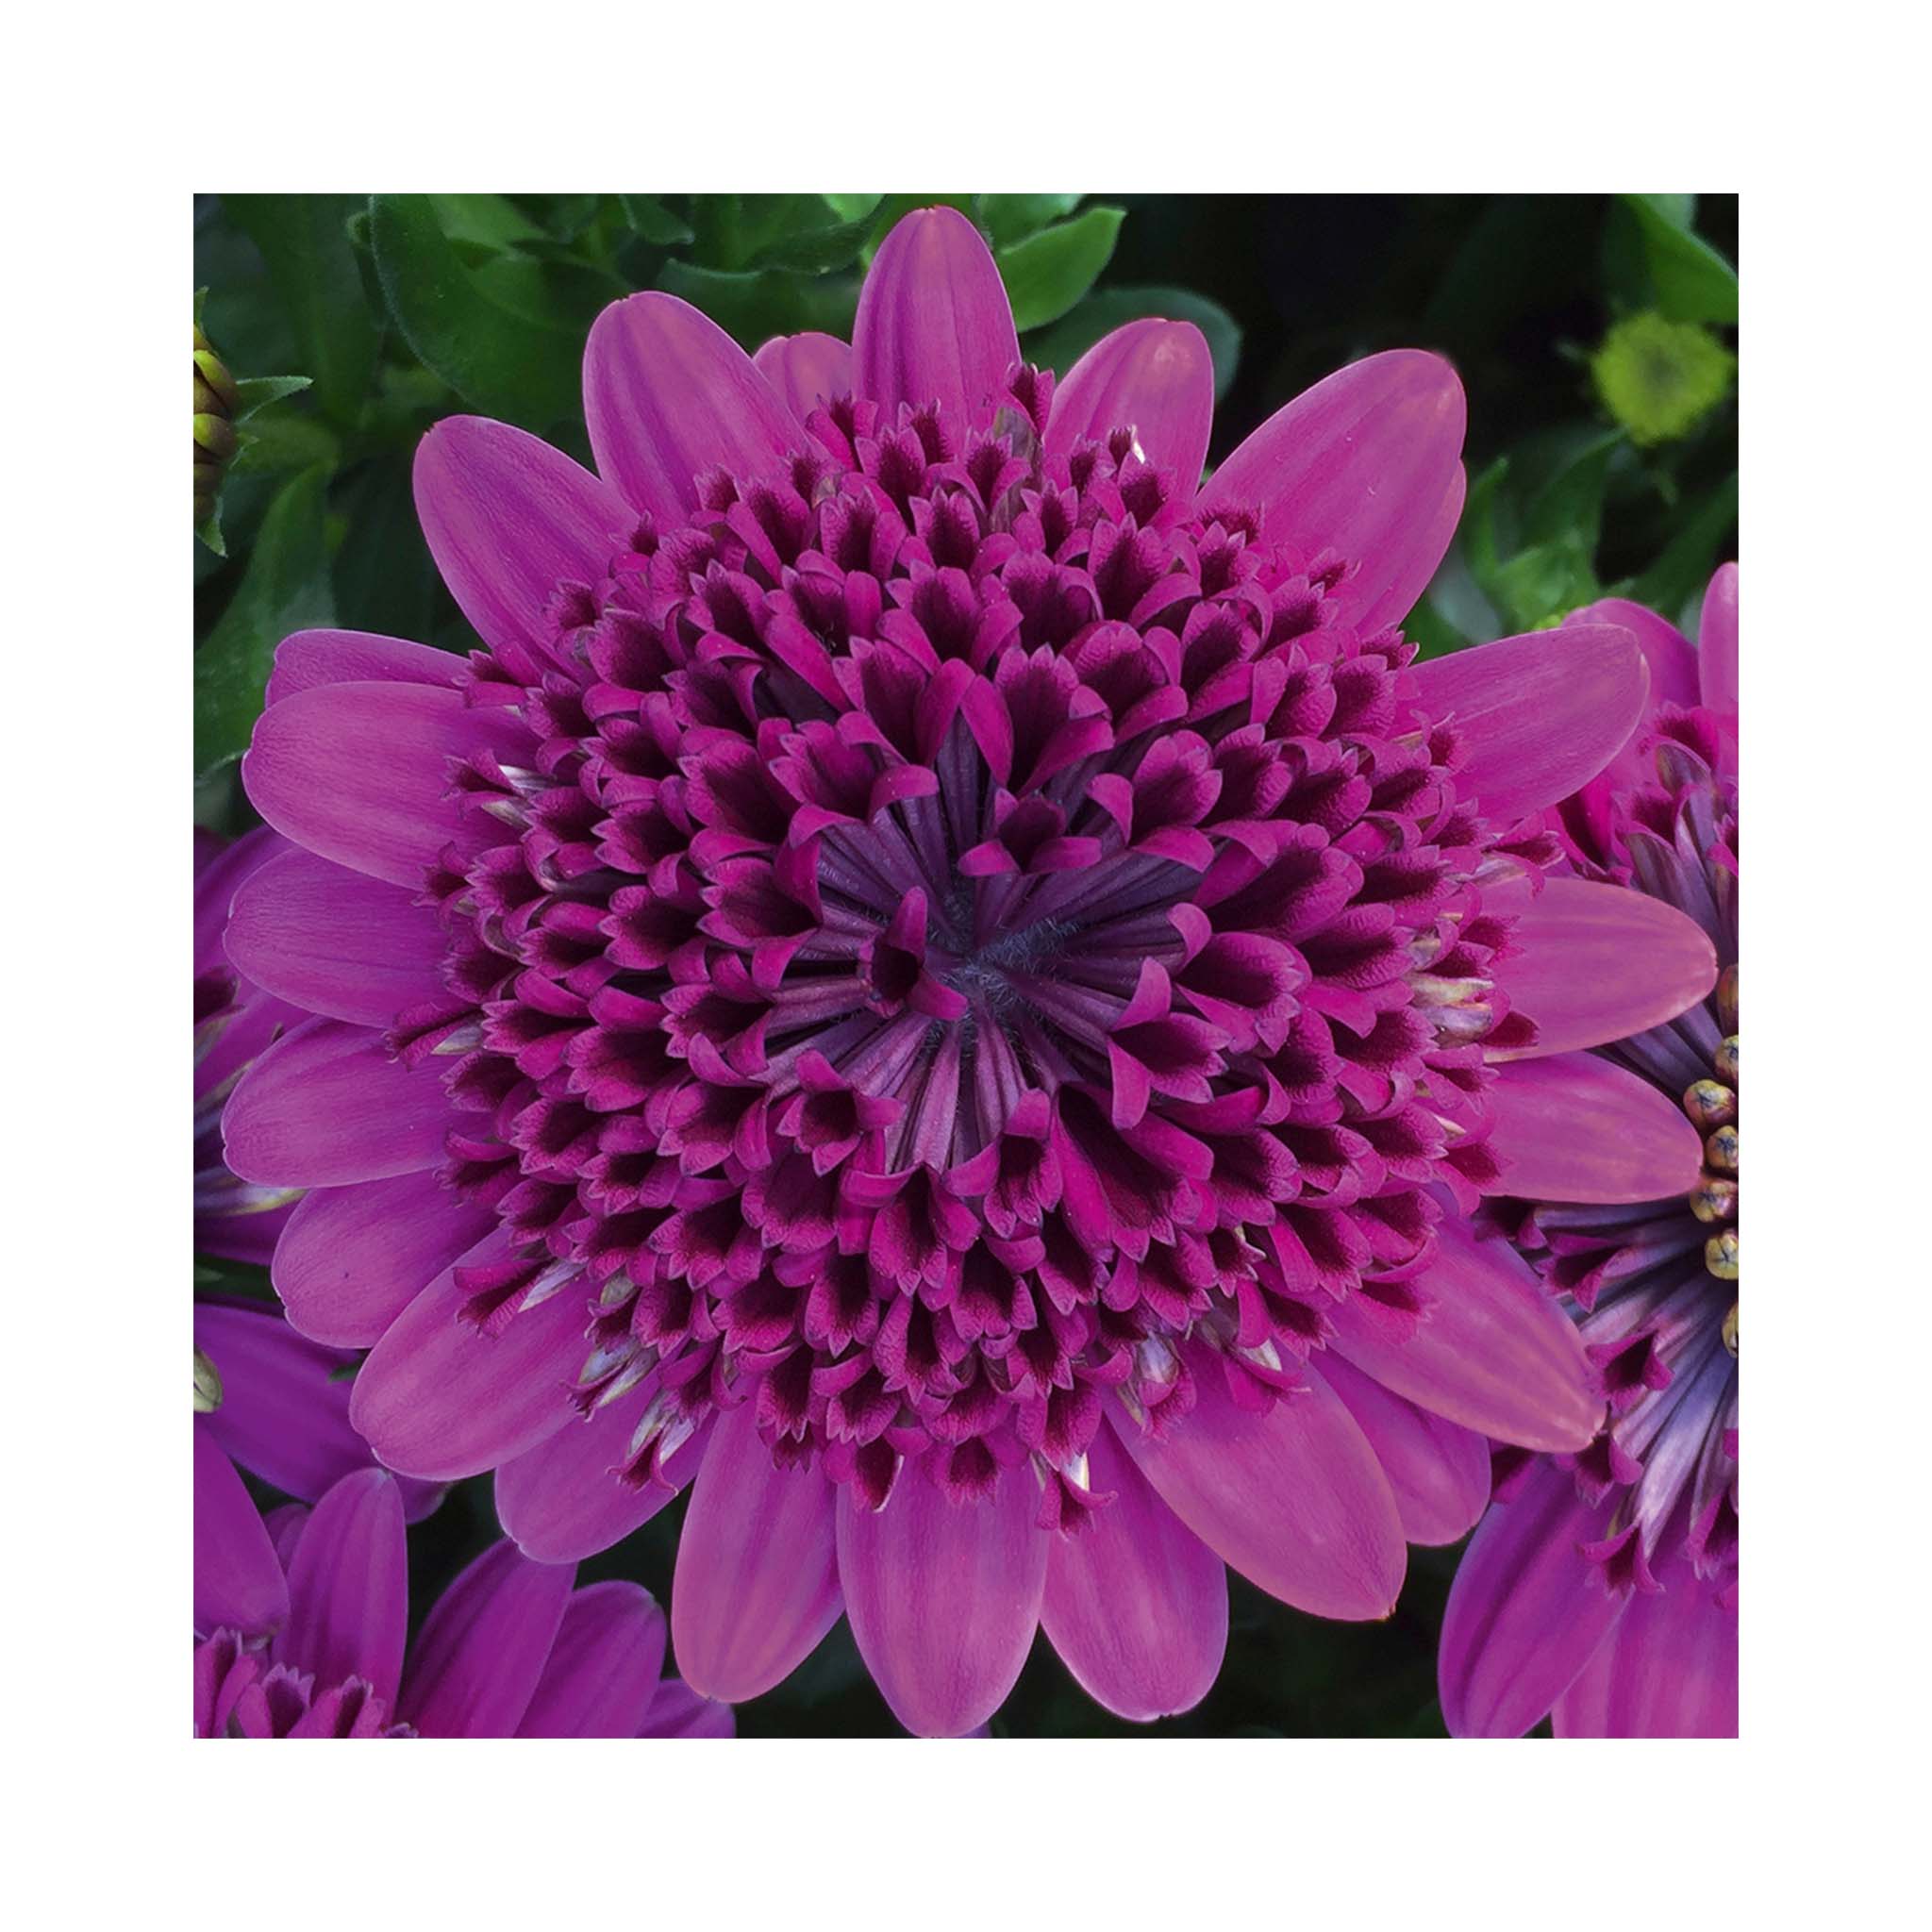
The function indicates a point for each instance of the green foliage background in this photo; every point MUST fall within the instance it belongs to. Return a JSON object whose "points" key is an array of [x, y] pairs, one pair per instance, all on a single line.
{"points": [[383, 314]]}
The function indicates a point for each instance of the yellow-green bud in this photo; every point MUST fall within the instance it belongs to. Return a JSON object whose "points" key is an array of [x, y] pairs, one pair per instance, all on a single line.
{"points": [[208, 1384], [215, 443], [1720, 1255], [1730, 1329], [1660, 378]]}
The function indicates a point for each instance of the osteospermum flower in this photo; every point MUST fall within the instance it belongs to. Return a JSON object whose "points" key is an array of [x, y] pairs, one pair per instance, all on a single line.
{"points": [[942, 981], [233, 1021], [1604, 1591], [271, 1402], [509, 1650]]}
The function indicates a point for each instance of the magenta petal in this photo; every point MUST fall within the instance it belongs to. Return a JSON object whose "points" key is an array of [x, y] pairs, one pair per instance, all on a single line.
{"points": [[336, 941], [807, 370], [1292, 1496], [1576, 1128], [1136, 1604], [668, 395], [680, 1712], [476, 1665], [1538, 715], [1598, 964], [349, 1587], [943, 1597], [1524, 1612], [602, 1677], [563, 1500], [219, 872], [1494, 1353], [238, 1580], [361, 772], [1155, 378], [327, 1104], [934, 324], [439, 1399], [508, 519], [309, 657], [353, 1258], [1439, 1471], [1717, 641], [1366, 464], [756, 1583], [282, 1414], [1668, 1670]]}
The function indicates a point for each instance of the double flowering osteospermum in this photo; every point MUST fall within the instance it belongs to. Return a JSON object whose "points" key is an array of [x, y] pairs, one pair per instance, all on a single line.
{"points": [[509, 1650], [1603, 1589], [949, 985]]}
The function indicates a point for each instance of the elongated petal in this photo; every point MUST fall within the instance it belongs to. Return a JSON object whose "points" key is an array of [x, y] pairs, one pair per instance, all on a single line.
{"points": [[349, 1587], [1599, 963], [1494, 1353], [361, 772], [1538, 715], [943, 1597], [306, 659], [238, 1580], [439, 1399], [353, 1258], [219, 872], [757, 1584], [678, 1711], [1367, 464], [1717, 641], [1668, 1670], [476, 1665], [326, 1104], [334, 941], [934, 324], [1136, 1603], [668, 395], [1439, 1470], [1292, 1496], [508, 519], [602, 1676], [1155, 378], [1576, 1127], [282, 1415], [1670, 655], [563, 1500], [806, 371], [1524, 1612]]}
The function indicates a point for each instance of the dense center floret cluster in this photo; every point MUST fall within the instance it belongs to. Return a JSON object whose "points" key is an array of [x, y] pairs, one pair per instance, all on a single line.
{"points": [[965, 921]]}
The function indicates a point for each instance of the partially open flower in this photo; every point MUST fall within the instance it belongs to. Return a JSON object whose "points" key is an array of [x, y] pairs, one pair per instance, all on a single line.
{"points": [[1603, 1587], [952, 986], [509, 1650]]}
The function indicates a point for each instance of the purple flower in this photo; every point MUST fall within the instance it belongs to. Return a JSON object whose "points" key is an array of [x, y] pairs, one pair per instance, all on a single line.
{"points": [[509, 1650], [233, 1021], [275, 1403], [1602, 1589], [944, 982]]}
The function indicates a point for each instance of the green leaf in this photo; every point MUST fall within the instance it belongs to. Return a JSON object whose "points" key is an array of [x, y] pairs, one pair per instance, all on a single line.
{"points": [[753, 306], [1691, 280], [1683, 569], [384, 579], [852, 207], [738, 231], [1008, 218], [286, 589], [258, 392], [500, 362], [1059, 347], [1047, 272], [816, 250], [656, 222], [488, 221], [304, 242]]}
